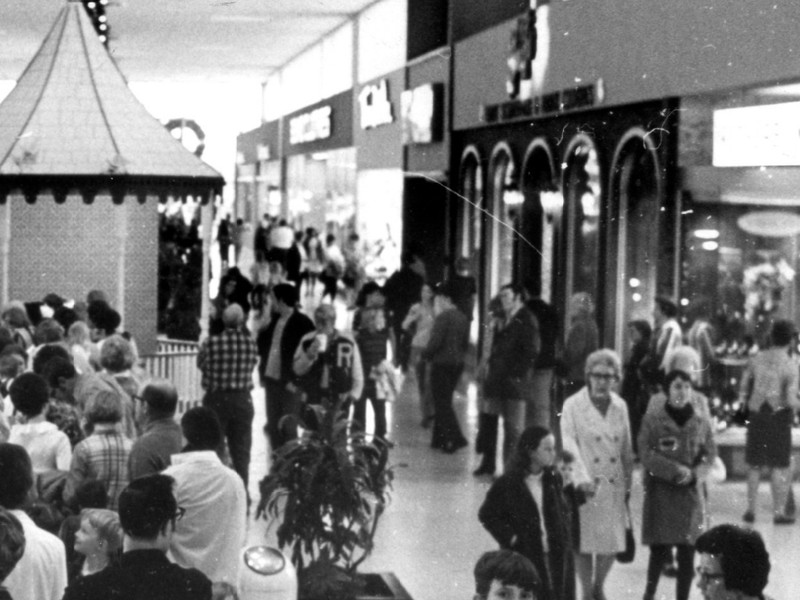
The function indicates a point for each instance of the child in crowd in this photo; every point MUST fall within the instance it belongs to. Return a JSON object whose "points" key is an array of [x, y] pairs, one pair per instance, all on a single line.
{"points": [[372, 339], [90, 494], [506, 575], [99, 539]]}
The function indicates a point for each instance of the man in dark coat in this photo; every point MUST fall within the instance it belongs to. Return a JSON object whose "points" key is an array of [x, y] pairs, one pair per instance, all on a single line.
{"points": [[541, 398], [403, 289], [277, 343], [515, 347]]}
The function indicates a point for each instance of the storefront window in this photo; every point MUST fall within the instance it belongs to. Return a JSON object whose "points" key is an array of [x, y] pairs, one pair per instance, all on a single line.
{"points": [[637, 188], [582, 197], [506, 204], [469, 229]]}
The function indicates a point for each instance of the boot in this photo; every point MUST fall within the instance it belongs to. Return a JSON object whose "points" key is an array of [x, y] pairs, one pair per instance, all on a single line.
{"points": [[486, 444]]}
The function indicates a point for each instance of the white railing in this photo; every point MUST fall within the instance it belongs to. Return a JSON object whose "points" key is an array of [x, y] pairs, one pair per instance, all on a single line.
{"points": [[176, 361]]}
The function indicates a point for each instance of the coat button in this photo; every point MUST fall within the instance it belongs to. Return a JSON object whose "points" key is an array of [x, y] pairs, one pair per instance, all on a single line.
{"points": [[616, 438], [598, 438], [597, 460], [613, 459], [611, 480]]}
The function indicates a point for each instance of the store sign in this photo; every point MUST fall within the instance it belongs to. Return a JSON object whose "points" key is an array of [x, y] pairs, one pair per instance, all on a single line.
{"points": [[310, 126], [376, 108], [421, 114], [755, 136], [574, 98]]}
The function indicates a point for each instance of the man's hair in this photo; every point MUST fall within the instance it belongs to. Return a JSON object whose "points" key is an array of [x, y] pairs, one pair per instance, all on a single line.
{"points": [[515, 288], [742, 556], [105, 407], [106, 523], [29, 394], [201, 428], [528, 441], [286, 293], [103, 317], [16, 473], [443, 288], [161, 397], [233, 316], [12, 542], [58, 368], [116, 355], [48, 331], [782, 332], [146, 505], [676, 374], [48, 352], [91, 494], [509, 568]]}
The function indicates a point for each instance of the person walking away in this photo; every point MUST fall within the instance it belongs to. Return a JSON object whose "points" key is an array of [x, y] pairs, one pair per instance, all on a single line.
{"points": [[769, 389], [526, 511], [372, 339], [486, 438], [515, 346], [666, 337], [635, 390], [677, 448], [224, 237], [402, 289], [446, 352], [595, 430], [540, 410], [582, 338], [226, 361], [418, 324], [334, 268]]}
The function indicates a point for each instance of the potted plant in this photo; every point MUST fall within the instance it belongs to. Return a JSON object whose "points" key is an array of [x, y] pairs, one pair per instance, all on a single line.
{"points": [[328, 489]]}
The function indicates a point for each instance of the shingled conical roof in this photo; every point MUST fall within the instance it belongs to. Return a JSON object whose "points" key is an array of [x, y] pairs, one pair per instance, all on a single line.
{"points": [[72, 122]]}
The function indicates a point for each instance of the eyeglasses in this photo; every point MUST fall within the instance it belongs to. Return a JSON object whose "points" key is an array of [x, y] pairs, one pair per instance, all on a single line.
{"points": [[179, 512], [603, 376], [706, 577]]}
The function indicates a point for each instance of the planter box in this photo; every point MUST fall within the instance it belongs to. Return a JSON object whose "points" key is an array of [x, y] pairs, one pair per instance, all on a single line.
{"points": [[383, 586]]}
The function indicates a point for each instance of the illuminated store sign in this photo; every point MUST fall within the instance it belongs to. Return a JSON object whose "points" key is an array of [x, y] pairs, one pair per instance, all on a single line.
{"points": [[755, 136], [421, 110], [376, 108], [310, 126]]}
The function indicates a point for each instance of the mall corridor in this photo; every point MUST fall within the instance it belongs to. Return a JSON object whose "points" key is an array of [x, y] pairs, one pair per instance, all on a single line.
{"points": [[430, 536]]}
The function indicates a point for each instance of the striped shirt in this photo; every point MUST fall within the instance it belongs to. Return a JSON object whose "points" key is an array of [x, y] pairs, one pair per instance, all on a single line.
{"points": [[103, 456], [227, 361]]}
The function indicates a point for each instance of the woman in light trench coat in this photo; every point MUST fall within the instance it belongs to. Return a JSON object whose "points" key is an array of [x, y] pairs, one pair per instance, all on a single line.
{"points": [[596, 430]]}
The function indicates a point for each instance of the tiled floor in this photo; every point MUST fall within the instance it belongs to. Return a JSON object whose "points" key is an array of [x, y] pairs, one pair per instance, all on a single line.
{"points": [[430, 536]]}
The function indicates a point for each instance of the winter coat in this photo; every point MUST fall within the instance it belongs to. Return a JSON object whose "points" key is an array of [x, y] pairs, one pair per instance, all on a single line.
{"points": [[510, 514], [672, 513]]}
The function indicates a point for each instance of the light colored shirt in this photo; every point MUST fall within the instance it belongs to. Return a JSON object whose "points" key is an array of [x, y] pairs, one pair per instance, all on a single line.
{"points": [[534, 484], [211, 534], [41, 573], [48, 447]]}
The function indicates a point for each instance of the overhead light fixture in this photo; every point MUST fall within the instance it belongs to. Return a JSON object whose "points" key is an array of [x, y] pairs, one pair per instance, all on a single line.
{"points": [[706, 234]]}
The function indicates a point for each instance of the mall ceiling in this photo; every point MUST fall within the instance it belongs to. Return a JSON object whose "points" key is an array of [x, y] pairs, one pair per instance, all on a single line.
{"points": [[184, 40]]}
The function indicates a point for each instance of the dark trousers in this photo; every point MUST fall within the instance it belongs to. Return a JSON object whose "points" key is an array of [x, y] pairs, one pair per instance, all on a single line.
{"points": [[660, 554], [378, 407], [234, 409], [446, 431], [279, 402]]}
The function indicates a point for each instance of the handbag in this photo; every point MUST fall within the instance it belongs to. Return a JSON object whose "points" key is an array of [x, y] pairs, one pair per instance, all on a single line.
{"points": [[627, 555]]}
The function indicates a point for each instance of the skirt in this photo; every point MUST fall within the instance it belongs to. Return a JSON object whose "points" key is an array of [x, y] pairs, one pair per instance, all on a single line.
{"points": [[769, 438]]}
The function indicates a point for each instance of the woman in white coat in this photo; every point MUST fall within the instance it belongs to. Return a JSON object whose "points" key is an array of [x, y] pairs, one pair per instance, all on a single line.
{"points": [[595, 429]]}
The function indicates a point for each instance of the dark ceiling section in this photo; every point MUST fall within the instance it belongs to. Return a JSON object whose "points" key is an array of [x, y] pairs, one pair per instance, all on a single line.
{"points": [[470, 17], [427, 26]]}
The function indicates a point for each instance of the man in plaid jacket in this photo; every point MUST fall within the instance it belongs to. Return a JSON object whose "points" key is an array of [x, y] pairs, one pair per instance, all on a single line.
{"points": [[227, 360]]}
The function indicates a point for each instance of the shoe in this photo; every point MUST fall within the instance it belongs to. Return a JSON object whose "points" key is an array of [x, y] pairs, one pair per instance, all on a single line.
{"points": [[452, 447], [670, 570], [483, 470], [783, 520], [749, 517], [426, 422]]}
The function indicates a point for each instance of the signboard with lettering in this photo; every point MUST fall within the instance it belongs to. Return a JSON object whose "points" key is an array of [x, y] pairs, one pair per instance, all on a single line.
{"points": [[422, 114], [375, 105], [562, 101], [311, 126]]}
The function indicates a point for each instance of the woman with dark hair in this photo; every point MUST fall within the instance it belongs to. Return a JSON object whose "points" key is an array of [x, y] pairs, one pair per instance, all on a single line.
{"points": [[676, 446], [769, 387], [526, 511]]}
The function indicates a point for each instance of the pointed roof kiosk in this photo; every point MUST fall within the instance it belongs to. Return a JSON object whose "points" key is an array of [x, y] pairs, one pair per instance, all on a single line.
{"points": [[83, 167]]}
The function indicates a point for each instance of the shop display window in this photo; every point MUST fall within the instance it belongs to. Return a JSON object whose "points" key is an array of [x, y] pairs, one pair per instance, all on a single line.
{"points": [[741, 262], [506, 203], [469, 229], [582, 197]]}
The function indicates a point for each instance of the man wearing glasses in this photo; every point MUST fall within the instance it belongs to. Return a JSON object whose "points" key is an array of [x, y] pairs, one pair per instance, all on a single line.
{"points": [[147, 512], [734, 564]]}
